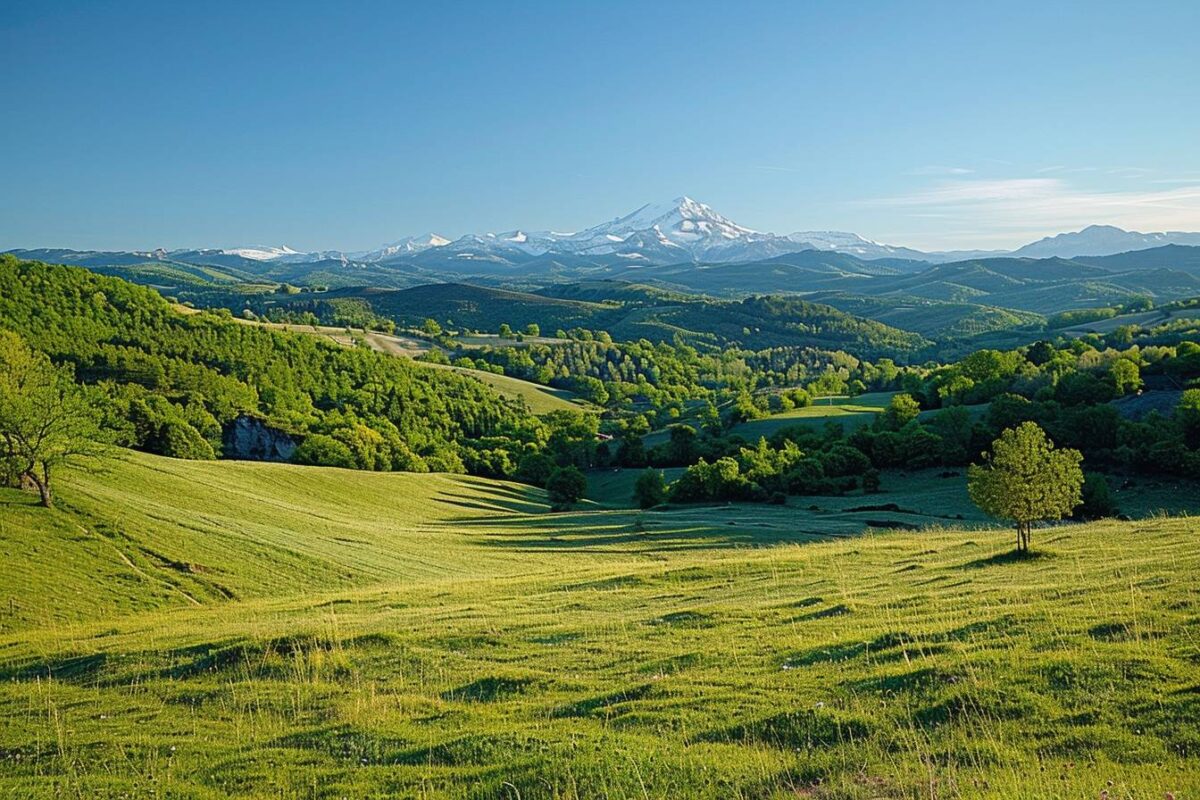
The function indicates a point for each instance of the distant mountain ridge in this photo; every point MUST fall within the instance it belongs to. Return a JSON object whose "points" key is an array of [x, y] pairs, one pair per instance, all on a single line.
{"points": [[678, 231], [1102, 240]]}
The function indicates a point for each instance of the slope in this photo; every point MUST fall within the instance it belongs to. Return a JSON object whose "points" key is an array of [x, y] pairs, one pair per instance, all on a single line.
{"points": [[600, 654]]}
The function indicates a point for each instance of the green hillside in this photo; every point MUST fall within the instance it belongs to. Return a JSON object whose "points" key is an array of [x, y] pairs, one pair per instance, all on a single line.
{"points": [[217, 630], [629, 315]]}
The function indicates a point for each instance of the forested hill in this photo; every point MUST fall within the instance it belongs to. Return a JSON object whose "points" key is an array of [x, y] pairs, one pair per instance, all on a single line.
{"points": [[630, 314], [172, 383]]}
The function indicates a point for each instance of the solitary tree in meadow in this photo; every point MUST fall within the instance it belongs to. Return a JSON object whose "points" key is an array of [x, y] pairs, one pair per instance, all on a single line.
{"points": [[44, 420], [565, 487], [650, 489], [1025, 479]]}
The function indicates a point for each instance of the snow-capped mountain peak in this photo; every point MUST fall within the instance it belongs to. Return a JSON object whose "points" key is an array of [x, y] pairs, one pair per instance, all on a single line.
{"points": [[407, 246], [262, 253], [682, 216]]}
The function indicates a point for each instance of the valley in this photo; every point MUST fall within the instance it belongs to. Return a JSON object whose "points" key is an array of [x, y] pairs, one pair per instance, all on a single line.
{"points": [[381, 417]]}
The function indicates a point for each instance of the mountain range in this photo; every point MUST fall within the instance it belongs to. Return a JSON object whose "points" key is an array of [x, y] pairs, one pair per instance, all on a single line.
{"points": [[678, 231]]}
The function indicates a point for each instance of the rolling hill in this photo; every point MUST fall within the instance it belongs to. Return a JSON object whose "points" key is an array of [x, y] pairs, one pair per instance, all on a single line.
{"points": [[754, 322], [214, 630]]}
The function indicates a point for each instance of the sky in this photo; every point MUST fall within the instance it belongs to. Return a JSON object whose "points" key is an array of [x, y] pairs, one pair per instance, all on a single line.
{"points": [[345, 126]]}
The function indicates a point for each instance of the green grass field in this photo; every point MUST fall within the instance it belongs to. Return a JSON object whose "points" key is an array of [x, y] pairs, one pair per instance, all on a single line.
{"points": [[540, 399], [216, 630], [849, 411]]}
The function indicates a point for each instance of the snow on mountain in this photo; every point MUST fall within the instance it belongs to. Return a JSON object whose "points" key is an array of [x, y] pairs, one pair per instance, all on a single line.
{"points": [[407, 245], [855, 245], [1102, 240], [677, 231], [262, 253]]}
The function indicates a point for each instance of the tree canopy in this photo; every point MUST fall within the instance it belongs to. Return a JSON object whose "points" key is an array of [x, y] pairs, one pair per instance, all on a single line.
{"points": [[45, 421], [1025, 479]]}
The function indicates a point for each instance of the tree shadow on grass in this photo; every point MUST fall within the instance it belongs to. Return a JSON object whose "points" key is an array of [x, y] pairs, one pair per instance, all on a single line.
{"points": [[1008, 557], [625, 530], [493, 497]]}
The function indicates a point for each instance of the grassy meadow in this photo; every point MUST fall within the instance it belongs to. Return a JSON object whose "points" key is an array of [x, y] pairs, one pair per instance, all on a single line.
{"points": [[214, 630]]}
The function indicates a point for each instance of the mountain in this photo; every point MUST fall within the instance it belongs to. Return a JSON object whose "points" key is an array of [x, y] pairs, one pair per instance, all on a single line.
{"points": [[1101, 240], [1171, 256], [405, 246], [677, 232]]}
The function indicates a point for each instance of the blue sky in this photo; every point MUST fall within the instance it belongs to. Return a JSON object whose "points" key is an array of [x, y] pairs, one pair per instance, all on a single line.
{"points": [[348, 125]]}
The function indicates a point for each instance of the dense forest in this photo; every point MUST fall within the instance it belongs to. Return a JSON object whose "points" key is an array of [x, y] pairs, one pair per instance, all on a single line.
{"points": [[1086, 396], [176, 384]]}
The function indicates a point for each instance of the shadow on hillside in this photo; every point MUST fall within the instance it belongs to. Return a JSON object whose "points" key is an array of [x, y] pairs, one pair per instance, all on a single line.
{"points": [[1007, 557], [493, 497], [627, 530]]}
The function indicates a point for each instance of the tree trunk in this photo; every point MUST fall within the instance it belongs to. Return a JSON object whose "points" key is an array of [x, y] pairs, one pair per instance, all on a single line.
{"points": [[43, 486], [1023, 537]]}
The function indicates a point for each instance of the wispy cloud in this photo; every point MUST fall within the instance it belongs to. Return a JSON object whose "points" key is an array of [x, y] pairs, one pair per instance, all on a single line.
{"points": [[938, 169], [1003, 209]]}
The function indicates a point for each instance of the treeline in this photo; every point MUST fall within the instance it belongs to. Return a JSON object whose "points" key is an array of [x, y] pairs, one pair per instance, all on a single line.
{"points": [[660, 382], [173, 383], [948, 416]]}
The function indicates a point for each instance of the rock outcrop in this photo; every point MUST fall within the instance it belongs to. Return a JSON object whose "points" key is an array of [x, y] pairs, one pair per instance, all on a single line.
{"points": [[252, 439]]}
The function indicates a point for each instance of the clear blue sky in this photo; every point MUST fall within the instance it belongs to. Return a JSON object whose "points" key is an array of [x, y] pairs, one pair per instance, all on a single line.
{"points": [[347, 125]]}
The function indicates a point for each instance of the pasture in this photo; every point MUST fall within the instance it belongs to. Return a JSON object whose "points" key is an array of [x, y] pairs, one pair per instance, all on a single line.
{"points": [[217, 630]]}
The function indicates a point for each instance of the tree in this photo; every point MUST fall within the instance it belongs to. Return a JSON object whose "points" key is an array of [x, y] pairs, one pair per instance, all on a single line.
{"points": [[505, 331], [565, 487], [320, 450], [533, 329], [1025, 479], [1187, 416], [1097, 500], [431, 328], [650, 489], [1125, 376], [902, 410], [45, 421]]}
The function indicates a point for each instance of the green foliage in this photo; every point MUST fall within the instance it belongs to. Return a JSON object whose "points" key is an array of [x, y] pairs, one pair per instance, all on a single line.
{"points": [[566, 487], [319, 450], [650, 490], [1066, 319], [1025, 479], [718, 481], [1096, 499], [1125, 376], [171, 383], [45, 421], [902, 410]]}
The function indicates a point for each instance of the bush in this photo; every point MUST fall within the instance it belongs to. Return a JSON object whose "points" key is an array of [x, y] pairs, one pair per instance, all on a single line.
{"points": [[650, 489], [565, 487], [871, 481], [178, 439], [319, 450], [1098, 501]]}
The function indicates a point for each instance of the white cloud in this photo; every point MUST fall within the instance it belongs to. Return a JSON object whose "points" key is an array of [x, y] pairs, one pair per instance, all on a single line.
{"points": [[1000, 211]]}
